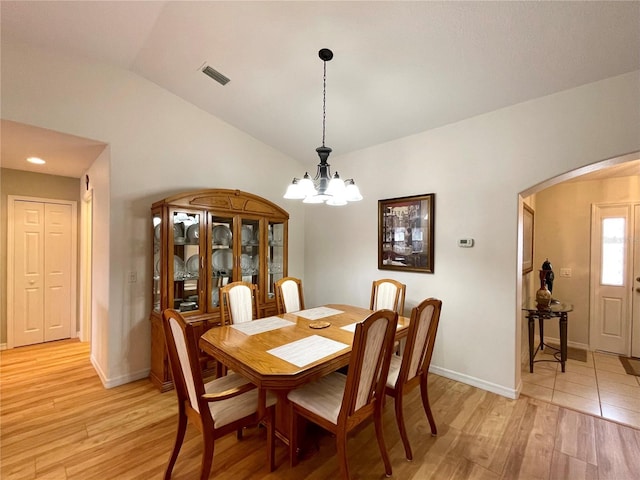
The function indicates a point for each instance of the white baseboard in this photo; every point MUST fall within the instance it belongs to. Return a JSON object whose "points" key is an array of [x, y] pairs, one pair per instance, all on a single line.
{"points": [[476, 382], [121, 380], [556, 341], [3, 346]]}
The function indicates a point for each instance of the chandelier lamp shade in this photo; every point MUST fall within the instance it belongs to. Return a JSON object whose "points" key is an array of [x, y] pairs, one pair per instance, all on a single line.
{"points": [[324, 187]]}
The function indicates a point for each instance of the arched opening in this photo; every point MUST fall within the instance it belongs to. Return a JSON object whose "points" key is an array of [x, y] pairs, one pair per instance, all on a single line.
{"points": [[563, 217]]}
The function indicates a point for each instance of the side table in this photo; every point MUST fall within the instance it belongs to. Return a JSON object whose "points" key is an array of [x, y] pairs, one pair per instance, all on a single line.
{"points": [[555, 310]]}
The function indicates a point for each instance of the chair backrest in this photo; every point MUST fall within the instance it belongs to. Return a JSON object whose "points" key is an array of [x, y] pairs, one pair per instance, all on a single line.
{"points": [[369, 364], [289, 296], [184, 359], [421, 338], [388, 293], [238, 302]]}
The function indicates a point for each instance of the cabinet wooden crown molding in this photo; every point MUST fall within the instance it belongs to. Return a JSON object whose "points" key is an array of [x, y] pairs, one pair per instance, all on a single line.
{"points": [[235, 201]]}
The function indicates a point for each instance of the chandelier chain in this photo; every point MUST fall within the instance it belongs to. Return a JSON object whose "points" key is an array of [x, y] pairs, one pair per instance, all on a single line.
{"points": [[324, 100]]}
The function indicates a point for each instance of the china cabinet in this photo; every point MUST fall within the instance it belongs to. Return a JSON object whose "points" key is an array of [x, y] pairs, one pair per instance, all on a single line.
{"points": [[203, 240]]}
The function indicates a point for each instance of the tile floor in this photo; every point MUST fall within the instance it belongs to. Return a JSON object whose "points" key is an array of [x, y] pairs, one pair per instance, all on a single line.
{"points": [[600, 386]]}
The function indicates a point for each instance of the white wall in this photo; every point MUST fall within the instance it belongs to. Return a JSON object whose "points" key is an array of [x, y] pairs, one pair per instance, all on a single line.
{"points": [[158, 145], [161, 145], [99, 181], [476, 168]]}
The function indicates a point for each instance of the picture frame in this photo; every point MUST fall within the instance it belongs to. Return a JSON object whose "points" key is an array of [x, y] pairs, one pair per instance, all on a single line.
{"points": [[527, 238], [406, 227]]}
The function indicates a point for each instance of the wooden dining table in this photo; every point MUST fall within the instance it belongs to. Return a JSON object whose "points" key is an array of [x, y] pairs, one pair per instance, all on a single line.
{"points": [[254, 354]]}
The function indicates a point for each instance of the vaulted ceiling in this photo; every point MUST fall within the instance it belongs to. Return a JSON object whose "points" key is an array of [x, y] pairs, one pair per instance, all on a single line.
{"points": [[399, 67]]}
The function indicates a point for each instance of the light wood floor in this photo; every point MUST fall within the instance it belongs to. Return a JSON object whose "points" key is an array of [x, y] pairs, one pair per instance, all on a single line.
{"points": [[58, 422]]}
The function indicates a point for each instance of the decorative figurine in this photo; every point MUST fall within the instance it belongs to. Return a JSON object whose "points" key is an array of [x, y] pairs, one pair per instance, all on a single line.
{"points": [[549, 275]]}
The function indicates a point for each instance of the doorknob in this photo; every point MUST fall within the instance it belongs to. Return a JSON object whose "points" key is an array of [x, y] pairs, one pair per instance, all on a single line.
{"points": [[637, 279], [31, 282]]}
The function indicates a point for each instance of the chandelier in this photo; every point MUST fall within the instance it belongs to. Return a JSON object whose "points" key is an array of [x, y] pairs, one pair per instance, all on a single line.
{"points": [[324, 188]]}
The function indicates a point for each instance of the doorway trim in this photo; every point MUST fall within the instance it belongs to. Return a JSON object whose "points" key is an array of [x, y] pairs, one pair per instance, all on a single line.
{"points": [[523, 286], [599, 211], [11, 201], [86, 266]]}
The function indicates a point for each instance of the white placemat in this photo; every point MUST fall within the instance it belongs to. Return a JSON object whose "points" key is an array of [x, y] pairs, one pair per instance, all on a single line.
{"points": [[318, 312], [262, 325], [308, 350]]}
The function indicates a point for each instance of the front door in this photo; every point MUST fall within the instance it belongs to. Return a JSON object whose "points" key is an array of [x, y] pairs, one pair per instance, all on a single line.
{"points": [[611, 267], [635, 294]]}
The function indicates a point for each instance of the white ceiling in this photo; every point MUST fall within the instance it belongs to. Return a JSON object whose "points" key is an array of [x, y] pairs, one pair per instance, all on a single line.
{"points": [[399, 67], [66, 155]]}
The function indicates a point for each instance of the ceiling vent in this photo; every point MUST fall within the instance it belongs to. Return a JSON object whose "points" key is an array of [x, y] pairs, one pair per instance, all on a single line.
{"points": [[216, 75]]}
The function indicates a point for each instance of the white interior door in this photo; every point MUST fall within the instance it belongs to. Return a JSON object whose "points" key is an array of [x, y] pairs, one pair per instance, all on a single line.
{"points": [[57, 269], [611, 267], [635, 294], [41, 266], [27, 310]]}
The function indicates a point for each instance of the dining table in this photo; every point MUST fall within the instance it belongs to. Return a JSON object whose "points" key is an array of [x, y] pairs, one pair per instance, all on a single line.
{"points": [[282, 352]]}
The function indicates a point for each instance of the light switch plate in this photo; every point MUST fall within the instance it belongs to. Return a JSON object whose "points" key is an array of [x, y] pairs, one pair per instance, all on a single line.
{"points": [[565, 272]]}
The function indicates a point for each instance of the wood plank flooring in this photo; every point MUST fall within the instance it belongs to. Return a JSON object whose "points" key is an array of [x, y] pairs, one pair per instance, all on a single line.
{"points": [[58, 422]]}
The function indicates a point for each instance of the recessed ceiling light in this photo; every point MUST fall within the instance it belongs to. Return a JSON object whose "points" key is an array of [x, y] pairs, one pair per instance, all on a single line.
{"points": [[36, 160]]}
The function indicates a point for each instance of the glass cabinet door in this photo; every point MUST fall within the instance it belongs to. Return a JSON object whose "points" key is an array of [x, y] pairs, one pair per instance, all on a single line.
{"points": [[250, 255], [186, 261], [275, 256], [157, 263], [222, 256]]}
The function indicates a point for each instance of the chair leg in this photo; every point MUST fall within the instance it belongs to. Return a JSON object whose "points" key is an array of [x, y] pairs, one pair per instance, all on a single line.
{"points": [[239, 433], [207, 458], [182, 427], [381, 444], [341, 444], [401, 426], [425, 403]]}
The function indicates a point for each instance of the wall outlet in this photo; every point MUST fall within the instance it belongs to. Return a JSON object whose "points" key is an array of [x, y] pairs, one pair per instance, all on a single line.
{"points": [[133, 277], [565, 272]]}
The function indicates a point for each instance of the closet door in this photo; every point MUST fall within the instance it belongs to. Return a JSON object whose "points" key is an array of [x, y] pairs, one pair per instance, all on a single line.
{"points": [[57, 271], [41, 310], [28, 296]]}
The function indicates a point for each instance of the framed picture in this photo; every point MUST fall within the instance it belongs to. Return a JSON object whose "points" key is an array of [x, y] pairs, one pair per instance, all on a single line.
{"points": [[406, 233], [527, 239]]}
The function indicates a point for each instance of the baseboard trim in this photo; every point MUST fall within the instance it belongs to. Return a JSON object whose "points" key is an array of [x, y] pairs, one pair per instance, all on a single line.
{"points": [[556, 341], [3, 346], [476, 382], [121, 380]]}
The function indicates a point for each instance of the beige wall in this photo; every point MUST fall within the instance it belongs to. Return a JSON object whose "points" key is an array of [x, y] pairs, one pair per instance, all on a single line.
{"points": [[16, 182], [563, 234]]}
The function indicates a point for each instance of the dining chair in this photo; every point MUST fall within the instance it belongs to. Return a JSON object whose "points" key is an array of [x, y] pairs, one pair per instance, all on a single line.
{"points": [[412, 368], [216, 408], [238, 303], [388, 293], [289, 296], [338, 402]]}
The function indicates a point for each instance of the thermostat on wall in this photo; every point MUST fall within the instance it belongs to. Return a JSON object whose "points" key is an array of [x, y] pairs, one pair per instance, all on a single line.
{"points": [[465, 242]]}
